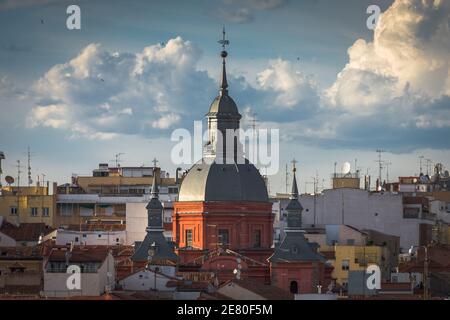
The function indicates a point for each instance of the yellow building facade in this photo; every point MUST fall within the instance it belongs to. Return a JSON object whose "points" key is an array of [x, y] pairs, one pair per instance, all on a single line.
{"points": [[353, 258], [27, 205]]}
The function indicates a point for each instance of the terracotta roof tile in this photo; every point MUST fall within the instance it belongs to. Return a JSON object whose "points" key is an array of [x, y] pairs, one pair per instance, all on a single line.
{"points": [[25, 231]]}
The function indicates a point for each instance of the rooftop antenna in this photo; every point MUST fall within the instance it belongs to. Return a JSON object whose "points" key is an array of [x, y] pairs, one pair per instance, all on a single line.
{"points": [[387, 164], [380, 163], [255, 142], [117, 159], [420, 164], [2, 157], [29, 154], [18, 190], [428, 165], [316, 184], [335, 164], [287, 178]]}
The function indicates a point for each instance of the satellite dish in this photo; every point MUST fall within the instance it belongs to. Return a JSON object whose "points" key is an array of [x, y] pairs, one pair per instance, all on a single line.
{"points": [[9, 179], [345, 168]]}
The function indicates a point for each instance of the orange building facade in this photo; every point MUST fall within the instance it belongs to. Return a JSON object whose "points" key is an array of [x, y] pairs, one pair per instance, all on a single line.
{"points": [[238, 226]]}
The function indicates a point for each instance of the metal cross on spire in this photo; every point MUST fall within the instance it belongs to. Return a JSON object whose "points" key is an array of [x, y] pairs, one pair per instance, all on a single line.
{"points": [[155, 162], [224, 42], [224, 85]]}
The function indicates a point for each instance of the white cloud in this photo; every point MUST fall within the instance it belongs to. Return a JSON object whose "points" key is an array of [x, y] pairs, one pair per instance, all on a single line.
{"points": [[409, 54], [54, 116], [289, 85], [98, 93], [166, 121], [242, 11]]}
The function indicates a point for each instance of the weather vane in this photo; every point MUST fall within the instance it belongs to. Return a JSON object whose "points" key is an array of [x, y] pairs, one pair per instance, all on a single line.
{"points": [[224, 42], [293, 164]]}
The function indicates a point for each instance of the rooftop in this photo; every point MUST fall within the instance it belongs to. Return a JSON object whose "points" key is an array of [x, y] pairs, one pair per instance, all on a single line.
{"points": [[25, 231]]}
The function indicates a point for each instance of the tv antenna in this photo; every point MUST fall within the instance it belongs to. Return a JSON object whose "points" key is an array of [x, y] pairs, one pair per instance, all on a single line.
{"points": [[429, 165], [387, 164], [420, 164], [2, 157], [380, 163], [29, 155], [117, 159], [287, 178]]}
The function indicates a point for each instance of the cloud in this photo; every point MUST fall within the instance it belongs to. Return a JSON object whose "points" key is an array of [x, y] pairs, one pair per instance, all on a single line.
{"points": [[243, 11], [9, 89], [393, 93], [409, 53], [235, 15], [394, 90], [290, 87], [100, 94]]}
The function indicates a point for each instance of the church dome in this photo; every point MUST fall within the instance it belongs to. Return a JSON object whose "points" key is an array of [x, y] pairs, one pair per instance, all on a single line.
{"points": [[208, 180], [223, 182], [224, 106]]}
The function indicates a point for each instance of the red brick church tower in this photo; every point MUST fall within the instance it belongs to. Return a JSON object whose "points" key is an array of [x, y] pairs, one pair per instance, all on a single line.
{"points": [[222, 221]]}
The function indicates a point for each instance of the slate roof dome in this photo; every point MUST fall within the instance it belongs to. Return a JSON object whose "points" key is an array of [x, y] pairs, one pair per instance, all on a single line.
{"points": [[224, 106], [223, 182]]}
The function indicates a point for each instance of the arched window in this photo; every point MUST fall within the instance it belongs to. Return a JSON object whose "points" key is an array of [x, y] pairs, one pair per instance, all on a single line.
{"points": [[293, 287]]}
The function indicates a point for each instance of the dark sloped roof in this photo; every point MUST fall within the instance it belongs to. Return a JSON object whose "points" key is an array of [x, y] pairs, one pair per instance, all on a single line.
{"points": [[224, 106], [223, 182], [164, 249], [295, 248], [294, 204]]}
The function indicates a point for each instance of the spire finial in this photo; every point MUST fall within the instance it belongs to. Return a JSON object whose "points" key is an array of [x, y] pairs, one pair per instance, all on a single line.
{"points": [[155, 190], [294, 192], [224, 42]]}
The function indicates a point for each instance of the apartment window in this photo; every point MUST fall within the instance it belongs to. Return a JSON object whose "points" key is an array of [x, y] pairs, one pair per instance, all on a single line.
{"points": [[76, 239], [223, 237], [411, 213], [13, 211], [45, 212], [173, 190], [189, 237], [257, 238], [345, 264], [65, 209], [34, 211]]}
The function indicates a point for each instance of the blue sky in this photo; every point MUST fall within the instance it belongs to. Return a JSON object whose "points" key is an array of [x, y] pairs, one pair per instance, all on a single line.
{"points": [[312, 68]]}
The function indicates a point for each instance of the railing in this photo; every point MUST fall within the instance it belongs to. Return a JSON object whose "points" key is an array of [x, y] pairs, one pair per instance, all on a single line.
{"points": [[64, 269]]}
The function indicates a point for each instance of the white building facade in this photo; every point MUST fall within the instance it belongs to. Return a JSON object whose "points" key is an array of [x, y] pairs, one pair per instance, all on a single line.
{"points": [[383, 212]]}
